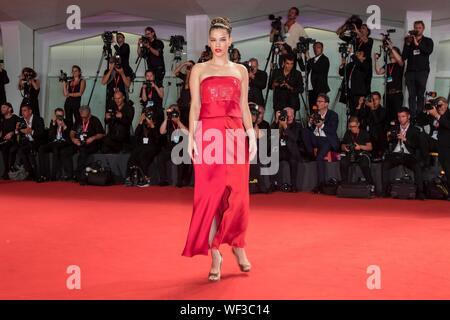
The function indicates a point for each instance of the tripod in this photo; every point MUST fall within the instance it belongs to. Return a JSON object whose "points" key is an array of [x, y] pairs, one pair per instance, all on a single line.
{"points": [[106, 54], [273, 54]]}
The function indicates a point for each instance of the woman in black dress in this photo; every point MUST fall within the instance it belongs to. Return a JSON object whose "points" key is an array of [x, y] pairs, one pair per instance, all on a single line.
{"points": [[73, 90], [31, 88]]}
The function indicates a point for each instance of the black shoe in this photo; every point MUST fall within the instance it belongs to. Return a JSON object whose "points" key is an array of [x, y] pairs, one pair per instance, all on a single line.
{"points": [[286, 187], [420, 196], [41, 179], [318, 189]]}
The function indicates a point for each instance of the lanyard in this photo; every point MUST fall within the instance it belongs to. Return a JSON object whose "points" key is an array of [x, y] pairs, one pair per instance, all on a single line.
{"points": [[116, 79], [85, 126], [391, 69], [150, 94]]}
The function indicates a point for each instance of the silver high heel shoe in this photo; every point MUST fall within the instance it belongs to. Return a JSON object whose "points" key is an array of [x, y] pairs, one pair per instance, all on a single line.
{"points": [[215, 276], [245, 267]]}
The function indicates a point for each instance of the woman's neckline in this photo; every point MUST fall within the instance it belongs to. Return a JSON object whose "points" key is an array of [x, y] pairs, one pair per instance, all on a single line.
{"points": [[218, 76]]}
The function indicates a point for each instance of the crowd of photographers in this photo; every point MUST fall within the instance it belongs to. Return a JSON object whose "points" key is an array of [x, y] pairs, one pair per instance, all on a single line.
{"points": [[390, 134]]}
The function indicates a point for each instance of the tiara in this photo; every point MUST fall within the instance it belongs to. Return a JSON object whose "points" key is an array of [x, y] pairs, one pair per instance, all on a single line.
{"points": [[219, 24]]}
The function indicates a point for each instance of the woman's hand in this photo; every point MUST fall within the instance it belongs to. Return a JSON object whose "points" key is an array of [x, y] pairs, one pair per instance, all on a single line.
{"points": [[192, 148]]}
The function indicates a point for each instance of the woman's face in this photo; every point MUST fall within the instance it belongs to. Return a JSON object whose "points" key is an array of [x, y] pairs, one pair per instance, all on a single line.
{"points": [[149, 76], [76, 73], [219, 41]]}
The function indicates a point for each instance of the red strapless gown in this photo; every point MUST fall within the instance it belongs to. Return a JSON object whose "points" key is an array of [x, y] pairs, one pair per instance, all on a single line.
{"points": [[221, 189]]}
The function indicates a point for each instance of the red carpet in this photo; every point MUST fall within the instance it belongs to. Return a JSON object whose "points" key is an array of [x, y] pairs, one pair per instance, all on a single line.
{"points": [[128, 243]]}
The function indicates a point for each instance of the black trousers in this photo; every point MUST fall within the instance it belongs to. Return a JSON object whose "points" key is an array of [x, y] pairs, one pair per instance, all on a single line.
{"points": [[112, 146], [142, 156], [255, 173], [26, 154], [184, 170], [72, 110], [444, 160], [362, 161], [416, 82], [84, 152], [285, 155], [393, 103], [8, 155], [323, 146], [393, 160], [312, 98], [62, 153]]}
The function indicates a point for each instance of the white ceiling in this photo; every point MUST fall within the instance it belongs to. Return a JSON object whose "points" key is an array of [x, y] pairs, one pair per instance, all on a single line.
{"points": [[49, 13]]}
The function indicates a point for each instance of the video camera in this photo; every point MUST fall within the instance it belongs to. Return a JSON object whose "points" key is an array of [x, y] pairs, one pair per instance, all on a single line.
{"points": [[432, 101], [349, 34], [343, 49], [172, 114], [276, 22], [387, 38], [303, 44], [176, 46], [63, 77]]}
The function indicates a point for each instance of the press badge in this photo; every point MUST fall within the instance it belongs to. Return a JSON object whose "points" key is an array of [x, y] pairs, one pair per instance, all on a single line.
{"points": [[176, 139], [389, 79], [145, 140], [150, 104], [283, 143], [416, 52]]}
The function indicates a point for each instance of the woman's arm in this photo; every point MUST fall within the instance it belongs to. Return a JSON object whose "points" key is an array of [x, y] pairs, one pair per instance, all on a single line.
{"points": [[194, 87], [160, 91], [246, 115]]}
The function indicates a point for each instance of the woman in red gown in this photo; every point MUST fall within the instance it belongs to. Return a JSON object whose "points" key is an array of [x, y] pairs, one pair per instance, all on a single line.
{"points": [[219, 108]]}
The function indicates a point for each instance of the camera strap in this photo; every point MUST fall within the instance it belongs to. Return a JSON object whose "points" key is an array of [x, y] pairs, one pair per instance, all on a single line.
{"points": [[85, 125]]}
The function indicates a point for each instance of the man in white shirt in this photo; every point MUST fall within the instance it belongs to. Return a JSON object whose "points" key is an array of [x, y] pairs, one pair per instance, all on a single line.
{"points": [[291, 28]]}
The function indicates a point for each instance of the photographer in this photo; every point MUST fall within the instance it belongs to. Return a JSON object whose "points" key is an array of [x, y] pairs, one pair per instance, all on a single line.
{"points": [[292, 30], [362, 112], [147, 147], [257, 82], [61, 148], [8, 137], [73, 91], [152, 93], [262, 131], [206, 55], [116, 79], [441, 114], [417, 51], [31, 88], [317, 68], [394, 81], [290, 142], [322, 135], [408, 150], [4, 80], [184, 101], [365, 43], [86, 135], [119, 120], [123, 50], [151, 49], [235, 55], [31, 132], [356, 145], [376, 125], [287, 84], [173, 131], [356, 73]]}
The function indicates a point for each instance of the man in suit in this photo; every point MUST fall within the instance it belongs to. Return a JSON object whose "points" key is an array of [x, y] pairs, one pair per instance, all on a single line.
{"points": [[355, 73], [287, 85], [441, 114], [257, 83], [409, 149], [317, 72], [290, 142], [31, 132], [322, 135]]}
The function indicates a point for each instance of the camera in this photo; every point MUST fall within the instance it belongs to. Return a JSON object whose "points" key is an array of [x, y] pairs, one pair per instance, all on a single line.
{"points": [[254, 109], [393, 132], [22, 123], [303, 44], [149, 112], [316, 117], [148, 83], [176, 46], [352, 153], [343, 49], [82, 136], [248, 65], [63, 77], [108, 36], [60, 118], [413, 33], [112, 111], [117, 60], [276, 22], [283, 115], [172, 114], [349, 34], [387, 38]]}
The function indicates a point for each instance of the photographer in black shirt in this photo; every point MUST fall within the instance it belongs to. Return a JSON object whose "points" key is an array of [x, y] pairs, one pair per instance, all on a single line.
{"points": [[151, 49], [123, 50], [417, 51], [73, 91], [152, 92], [4, 80], [394, 81], [31, 86], [356, 145], [184, 100], [86, 135], [118, 121], [173, 132], [376, 125], [8, 137], [441, 114], [147, 147], [257, 82], [61, 148], [31, 133], [116, 78], [287, 85], [317, 67]]}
